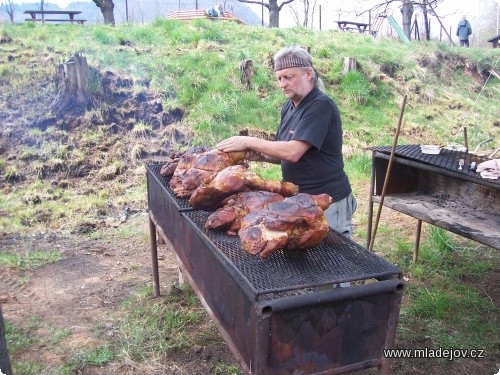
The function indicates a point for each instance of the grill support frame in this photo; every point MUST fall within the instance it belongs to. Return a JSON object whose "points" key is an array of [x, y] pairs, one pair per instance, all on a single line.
{"points": [[323, 332]]}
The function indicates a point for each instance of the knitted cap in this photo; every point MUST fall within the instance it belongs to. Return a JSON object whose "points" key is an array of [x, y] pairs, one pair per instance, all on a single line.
{"points": [[291, 62]]}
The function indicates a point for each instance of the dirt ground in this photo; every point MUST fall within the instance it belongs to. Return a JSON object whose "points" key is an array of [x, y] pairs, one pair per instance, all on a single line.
{"points": [[85, 287]]}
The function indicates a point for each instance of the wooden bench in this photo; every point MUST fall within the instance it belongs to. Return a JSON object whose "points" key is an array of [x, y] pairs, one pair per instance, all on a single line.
{"points": [[200, 13], [42, 13]]}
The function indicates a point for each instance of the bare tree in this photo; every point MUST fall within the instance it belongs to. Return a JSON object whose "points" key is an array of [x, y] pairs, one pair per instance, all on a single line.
{"points": [[9, 7], [407, 13], [106, 7], [307, 13], [407, 8], [272, 6]]}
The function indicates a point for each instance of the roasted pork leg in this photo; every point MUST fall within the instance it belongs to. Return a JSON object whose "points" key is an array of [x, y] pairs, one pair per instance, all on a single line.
{"points": [[195, 169], [298, 222], [236, 206], [168, 168], [232, 180]]}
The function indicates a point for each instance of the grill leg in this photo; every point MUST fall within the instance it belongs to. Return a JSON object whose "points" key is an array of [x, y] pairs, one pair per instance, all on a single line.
{"points": [[370, 206], [154, 258], [417, 241]]}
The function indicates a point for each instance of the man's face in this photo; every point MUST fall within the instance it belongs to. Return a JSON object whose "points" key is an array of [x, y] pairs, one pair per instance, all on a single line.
{"points": [[295, 83]]}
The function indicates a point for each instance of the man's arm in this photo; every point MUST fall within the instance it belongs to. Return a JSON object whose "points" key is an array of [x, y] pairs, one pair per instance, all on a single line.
{"points": [[290, 151]]}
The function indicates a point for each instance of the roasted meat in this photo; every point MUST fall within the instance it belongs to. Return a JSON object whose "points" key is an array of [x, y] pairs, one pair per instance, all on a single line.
{"points": [[297, 222], [195, 169], [235, 207], [170, 165], [232, 180]]}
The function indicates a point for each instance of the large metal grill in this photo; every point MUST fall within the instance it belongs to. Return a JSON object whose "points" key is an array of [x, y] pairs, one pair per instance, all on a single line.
{"points": [[283, 314], [446, 159], [336, 260]]}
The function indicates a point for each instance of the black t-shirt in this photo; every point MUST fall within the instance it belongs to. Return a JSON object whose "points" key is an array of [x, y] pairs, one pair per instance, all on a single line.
{"points": [[321, 169]]}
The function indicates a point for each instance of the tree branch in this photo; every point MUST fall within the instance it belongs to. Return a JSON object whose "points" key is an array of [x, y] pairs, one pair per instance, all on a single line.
{"points": [[255, 2], [284, 3]]}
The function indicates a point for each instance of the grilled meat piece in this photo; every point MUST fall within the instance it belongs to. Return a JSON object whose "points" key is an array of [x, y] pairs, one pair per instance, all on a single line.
{"points": [[170, 165], [297, 222], [195, 169], [232, 180], [236, 206]]}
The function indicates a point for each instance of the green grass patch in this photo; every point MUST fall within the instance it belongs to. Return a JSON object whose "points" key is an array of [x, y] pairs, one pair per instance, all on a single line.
{"points": [[31, 260], [152, 327]]}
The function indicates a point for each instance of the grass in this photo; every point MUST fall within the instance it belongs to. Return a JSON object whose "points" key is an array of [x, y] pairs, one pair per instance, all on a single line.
{"points": [[29, 261], [196, 68]]}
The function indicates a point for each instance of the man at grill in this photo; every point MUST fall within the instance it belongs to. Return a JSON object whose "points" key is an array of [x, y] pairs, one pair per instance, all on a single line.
{"points": [[308, 142]]}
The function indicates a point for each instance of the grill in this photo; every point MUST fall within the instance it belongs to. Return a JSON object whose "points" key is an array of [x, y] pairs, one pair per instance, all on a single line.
{"points": [[446, 160], [432, 189], [284, 314]]}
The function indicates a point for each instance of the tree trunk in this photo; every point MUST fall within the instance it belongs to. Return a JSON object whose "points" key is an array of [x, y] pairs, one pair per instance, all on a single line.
{"points": [[4, 355], [349, 64], [106, 7], [407, 11], [426, 21], [72, 83], [246, 71], [274, 9], [9, 7]]}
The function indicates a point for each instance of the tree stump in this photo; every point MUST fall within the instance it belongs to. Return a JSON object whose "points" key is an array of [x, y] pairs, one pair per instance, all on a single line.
{"points": [[349, 64], [73, 86], [246, 71]]}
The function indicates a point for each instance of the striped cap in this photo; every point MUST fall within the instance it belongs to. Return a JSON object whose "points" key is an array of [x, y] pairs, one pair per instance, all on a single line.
{"points": [[291, 62]]}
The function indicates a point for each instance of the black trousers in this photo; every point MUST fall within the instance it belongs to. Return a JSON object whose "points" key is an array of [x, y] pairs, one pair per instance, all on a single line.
{"points": [[464, 43]]}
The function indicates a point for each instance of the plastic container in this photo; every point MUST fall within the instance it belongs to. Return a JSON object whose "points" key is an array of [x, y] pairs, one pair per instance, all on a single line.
{"points": [[430, 149]]}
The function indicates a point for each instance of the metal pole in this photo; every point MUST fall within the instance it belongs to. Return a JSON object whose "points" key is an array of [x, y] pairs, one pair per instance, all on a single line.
{"points": [[388, 173], [262, 14], [126, 10], [154, 257], [4, 355], [319, 17]]}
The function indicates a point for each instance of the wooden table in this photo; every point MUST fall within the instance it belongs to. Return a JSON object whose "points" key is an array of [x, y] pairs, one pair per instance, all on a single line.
{"points": [[42, 13], [353, 26]]}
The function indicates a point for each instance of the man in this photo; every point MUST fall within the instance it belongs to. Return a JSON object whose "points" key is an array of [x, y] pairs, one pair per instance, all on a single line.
{"points": [[308, 142], [464, 29]]}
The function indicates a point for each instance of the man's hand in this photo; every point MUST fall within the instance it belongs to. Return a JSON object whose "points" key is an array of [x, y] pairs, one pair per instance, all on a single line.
{"points": [[237, 143]]}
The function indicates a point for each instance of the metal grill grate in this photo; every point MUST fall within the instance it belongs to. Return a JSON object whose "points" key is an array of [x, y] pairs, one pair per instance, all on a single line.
{"points": [[446, 159], [165, 182], [336, 260]]}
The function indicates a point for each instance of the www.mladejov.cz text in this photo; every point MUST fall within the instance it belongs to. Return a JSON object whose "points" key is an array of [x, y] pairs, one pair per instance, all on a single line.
{"points": [[450, 354]]}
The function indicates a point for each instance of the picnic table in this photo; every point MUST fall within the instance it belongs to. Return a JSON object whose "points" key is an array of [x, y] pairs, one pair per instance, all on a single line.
{"points": [[361, 27], [42, 13]]}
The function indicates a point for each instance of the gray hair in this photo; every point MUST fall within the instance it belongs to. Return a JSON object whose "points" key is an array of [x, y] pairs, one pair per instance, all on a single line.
{"points": [[297, 56]]}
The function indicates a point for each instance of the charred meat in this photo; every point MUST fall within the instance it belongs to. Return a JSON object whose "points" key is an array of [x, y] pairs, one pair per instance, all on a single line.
{"points": [[297, 222], [237, 206], [232, 180], [195, 169]]}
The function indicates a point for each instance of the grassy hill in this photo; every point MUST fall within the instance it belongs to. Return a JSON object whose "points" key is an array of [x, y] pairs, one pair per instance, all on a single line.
{"points": [[164, 86]]}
